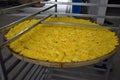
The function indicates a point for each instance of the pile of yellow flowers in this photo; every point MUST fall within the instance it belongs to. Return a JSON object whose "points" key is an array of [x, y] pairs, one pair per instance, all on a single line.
{"points": [[62, 43]]}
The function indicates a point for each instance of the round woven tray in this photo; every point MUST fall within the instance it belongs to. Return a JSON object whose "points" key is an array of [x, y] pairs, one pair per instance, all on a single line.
{"points": [[64, 64]]}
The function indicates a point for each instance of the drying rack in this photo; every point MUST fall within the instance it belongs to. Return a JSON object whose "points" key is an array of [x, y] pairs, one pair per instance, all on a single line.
{"points": [[19, 70]]}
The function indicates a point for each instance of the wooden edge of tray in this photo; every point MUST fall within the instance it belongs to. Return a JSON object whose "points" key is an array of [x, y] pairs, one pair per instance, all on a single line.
{"points": [[65, 64]]}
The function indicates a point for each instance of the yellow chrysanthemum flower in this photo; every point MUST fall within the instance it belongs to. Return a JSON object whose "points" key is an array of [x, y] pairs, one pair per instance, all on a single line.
{"points": [[62, 43]]}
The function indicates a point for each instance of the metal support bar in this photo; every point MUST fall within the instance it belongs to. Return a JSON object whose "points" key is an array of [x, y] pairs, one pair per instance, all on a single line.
{"points": [[4, 11], [6, 59], [75, 72], [7, 27], [94, 68], [19, 71], [31, 72], [56, 8], [66, 77], [43, 74], [12, 66], [39, 73], [87, 15], [24, 31], [118, 31], [2, 68], [34, 76], [3, 74], [47, 76], [25, 73], [78, 25], [82, 4]]}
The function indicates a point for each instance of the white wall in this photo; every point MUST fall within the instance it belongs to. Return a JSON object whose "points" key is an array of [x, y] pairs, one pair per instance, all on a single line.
{"points": [[62, 8]]}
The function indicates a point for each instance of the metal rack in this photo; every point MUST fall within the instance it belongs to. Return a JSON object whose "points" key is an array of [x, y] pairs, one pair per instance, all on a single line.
{"points": [[14, 69]]}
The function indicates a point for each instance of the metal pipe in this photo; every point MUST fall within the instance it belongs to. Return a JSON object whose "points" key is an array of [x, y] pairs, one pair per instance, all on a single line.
{"points": [[40, 73], [7, 27], [3, 74], [87, 15], [119, 31], [75, 72], [2, 68], [56, 8], [12, 66], [31, 72], [26, 73], [22, 32], [4, 11], [82, 4], [48, 8], [109, 67], [19, 70], [77, 25], [6, 59], [40, 68], [66, 77]]}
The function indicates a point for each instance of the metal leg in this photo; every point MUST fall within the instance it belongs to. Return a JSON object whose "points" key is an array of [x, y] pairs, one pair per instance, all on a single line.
{"points": [[2, 68], [119, 31], [3, 74], [55, 8], [101, 11], [109, 67]]}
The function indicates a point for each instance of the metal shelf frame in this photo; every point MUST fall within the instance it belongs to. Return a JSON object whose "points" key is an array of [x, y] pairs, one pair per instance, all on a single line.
{"points": [[37, 72]]}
